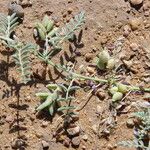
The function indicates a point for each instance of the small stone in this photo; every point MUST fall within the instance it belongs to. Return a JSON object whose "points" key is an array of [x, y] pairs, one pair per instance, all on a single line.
{"points": [[44, 124], [85, 137], [74, 131], [130, 123], [101, 94], [90, 70], [9, 119], [136, 2], [45, 144], [75, 141], [126, 30], [99, 109], [134, 46], [94, 127], [69, 10], [110, 147], [66, 142], [84, 147], [18, 144], [135, 23], [88, 57]]}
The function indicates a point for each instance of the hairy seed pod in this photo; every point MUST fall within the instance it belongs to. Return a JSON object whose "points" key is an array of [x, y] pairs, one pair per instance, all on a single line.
{"points": [[111, 64], [50, 25], [104, 56], [42, 35], [117, 96], [122, 88], [53, 32], [99, 64], [41, 26], [113, 90], [45, 21]]}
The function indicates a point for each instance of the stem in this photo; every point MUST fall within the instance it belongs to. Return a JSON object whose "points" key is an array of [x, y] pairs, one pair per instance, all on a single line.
{"points": [[79, 76]]}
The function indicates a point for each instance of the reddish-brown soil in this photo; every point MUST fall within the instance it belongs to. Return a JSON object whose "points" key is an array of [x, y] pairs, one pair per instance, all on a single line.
{"points": [[104, 26]]}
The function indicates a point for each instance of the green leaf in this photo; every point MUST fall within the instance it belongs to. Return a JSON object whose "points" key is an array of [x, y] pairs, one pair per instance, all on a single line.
{"points": [[65, 108]]}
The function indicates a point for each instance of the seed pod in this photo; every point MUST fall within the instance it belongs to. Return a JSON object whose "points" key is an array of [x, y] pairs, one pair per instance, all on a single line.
{"points": [[117, 96], [111, 63], [42, 35], [41, 26], [50, 25], [99, 64], [122, 88], [45, 21], [52, 33], [104, 56], [113, 90]]}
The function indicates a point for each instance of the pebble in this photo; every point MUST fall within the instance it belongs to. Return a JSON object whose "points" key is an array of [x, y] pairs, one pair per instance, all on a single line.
{"points": [[88, 57], [130, 123], [18, 144], [94, 127], [90, 70], [74, 131], [44, 124], [126, 30], [9, 119], [134, 46], [135, 23], [99, 109], [136, 2], [76, 141], [85, 137], [15, 8], [101, 94], [66, 142], [110, 147], [45, 144]]}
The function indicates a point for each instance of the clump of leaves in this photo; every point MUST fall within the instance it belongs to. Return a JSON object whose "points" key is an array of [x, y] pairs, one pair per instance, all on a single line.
{"points": [[53, 36], [58, 98], [104, 61], [7, 26], [141, 131], [118, 91], [21, 57]]}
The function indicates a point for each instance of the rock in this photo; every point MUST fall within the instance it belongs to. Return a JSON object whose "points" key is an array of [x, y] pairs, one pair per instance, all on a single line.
{"points": [[76, 141], [70, 10], [101, 94], [9, 119], [90, 70], [18, 144], [126, 30], [44, 124], [45, 144], [110, 147], [66, 142], [136, 2], [130, 123], [74, 131], [94, 127], [88, 57], [135, 23], [85, 137], [134, 46], [99, 109], [15, 8]]}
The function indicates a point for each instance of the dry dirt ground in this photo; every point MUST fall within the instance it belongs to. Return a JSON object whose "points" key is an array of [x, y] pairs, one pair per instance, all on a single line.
{"points": [[107, 25]]}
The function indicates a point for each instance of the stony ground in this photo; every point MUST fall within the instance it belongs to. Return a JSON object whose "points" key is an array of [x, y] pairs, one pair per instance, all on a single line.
{"points": [[122, 27]]}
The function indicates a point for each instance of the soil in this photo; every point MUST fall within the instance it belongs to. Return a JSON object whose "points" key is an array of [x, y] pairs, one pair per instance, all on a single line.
{"points": [[107, 25]]}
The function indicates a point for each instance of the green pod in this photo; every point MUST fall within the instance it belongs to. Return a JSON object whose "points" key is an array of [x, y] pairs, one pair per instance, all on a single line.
{"points": [[111, 63], [100, 64], [122, 88], [42, 35], [41, 26], [117, 96], [52, 86], [52, 32], [45, 21], [104, 56], [113, 90], [50, 25], [42, 95]]}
